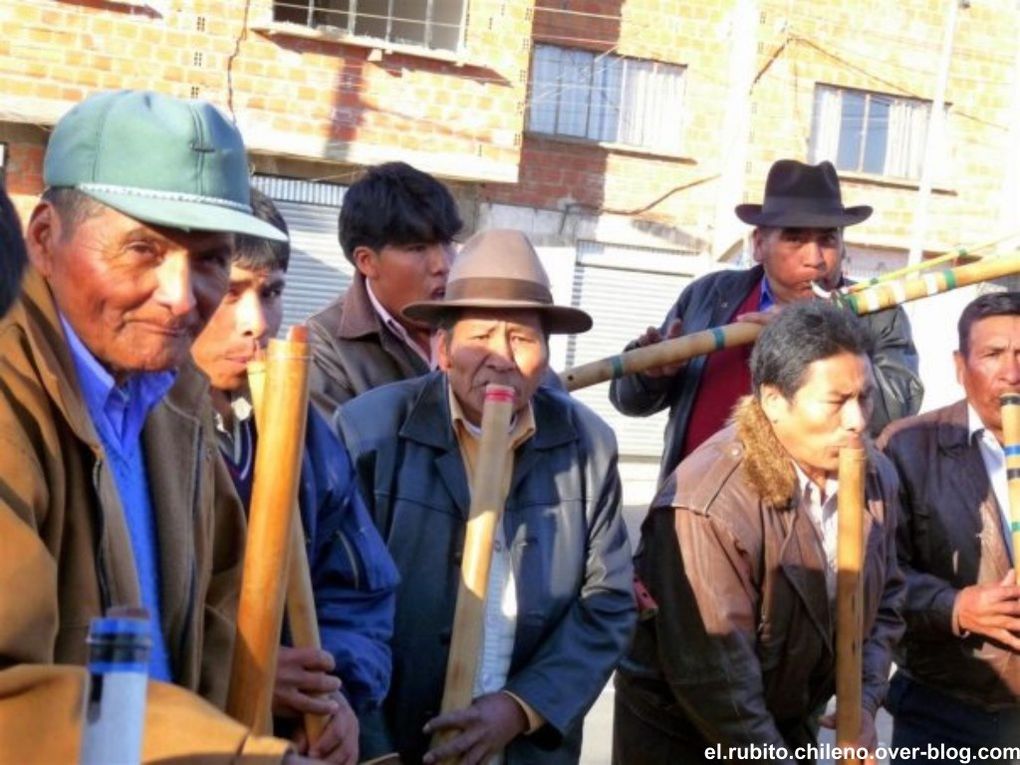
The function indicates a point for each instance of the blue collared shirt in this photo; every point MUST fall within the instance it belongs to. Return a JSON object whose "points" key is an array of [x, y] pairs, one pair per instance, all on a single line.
{"points": [[118, 413], [767, 301]]}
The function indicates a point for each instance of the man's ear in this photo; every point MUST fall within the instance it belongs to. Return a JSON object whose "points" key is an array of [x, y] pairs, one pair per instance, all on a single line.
{"points": [[41, 234], [773, 403], [441, 347], [366, 260], [960, 363], [757, 243]]}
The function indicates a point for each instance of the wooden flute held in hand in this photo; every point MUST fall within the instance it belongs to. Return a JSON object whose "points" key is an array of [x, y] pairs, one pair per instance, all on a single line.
{"points": [[853, 465], [270, 522], [1010, 404], [488, 496], [871, 300], [301, 615]]}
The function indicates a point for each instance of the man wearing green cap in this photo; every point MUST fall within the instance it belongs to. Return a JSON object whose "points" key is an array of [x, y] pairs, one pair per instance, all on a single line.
{"points": [[111, 492]]}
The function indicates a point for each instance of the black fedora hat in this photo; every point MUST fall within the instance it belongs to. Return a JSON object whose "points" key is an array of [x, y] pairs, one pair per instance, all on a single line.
{"points": [[802, 196]]}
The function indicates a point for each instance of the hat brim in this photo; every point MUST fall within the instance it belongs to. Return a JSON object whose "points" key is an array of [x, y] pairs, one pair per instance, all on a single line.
{"points": [[557, 319], [753, 215], [186, 215]]}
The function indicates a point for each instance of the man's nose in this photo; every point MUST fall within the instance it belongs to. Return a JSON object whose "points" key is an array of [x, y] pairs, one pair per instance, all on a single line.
{"points": [[440, 258], [855, 416], [501, 354], [174, 286], [813, 254], [251, 317]]}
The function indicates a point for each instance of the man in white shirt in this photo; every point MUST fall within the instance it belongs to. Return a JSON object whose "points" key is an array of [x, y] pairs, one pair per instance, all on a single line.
{"points": [[738, 550], [396, 227], [559, 606], [958, 682]]}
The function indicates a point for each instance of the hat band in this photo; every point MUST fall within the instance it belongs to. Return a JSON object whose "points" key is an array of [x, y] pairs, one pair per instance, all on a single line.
{"points": [[785, 204], [494, 288], [170, 196]]}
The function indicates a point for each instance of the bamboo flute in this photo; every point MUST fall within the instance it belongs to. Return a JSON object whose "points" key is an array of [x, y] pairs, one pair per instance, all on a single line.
{"points": [[488, 495], [875, 298], [853, 463], [1010, 403], [301, 615], [270, 521]]}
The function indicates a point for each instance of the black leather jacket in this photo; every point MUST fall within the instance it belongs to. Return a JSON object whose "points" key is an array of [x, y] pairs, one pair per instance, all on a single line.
{"points": [[710, 302]]}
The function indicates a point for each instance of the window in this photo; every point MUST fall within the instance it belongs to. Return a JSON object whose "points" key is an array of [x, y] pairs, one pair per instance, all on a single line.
{"points": [[431, 24], [869, 132], [601, 97]]}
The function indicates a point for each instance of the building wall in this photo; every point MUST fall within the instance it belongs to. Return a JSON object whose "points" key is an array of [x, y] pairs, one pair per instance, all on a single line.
{"points": [[296, 94]]}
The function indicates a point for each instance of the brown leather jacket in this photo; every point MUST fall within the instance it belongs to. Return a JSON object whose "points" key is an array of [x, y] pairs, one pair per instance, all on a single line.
{"points": [[950, 536], [65, 549], [741, 650], [353, 352]]}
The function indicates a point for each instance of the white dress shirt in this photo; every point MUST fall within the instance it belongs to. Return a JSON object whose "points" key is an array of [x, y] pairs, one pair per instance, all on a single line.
{"points": [[995, 465], [821, 508]]}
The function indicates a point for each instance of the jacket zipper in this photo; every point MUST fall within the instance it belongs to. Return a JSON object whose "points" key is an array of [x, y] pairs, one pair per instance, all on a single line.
{"points": [[349, 549], [104, 585], [189, 612]]}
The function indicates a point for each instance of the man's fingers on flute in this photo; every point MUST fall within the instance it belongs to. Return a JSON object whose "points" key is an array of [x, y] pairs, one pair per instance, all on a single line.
{"points": [[1006, 638], [460, 746]]}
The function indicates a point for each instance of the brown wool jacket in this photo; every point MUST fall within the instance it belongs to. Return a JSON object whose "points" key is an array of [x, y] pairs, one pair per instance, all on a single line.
{"points": [[352, 352], [65, 550], [742, 648], [950, 537]]}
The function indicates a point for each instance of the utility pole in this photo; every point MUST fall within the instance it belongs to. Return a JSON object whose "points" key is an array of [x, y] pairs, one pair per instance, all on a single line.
{"points": [[736, 125], [933, 142]]}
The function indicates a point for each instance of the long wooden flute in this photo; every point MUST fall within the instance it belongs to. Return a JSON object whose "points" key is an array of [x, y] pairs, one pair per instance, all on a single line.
{"points": [[1010, 404], [270, 522], [488, 495], [301, 614], [853, 463], [871, 300]]}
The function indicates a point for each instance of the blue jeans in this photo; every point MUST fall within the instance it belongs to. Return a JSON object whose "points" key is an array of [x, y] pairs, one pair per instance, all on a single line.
{"points": [[940, 725]]}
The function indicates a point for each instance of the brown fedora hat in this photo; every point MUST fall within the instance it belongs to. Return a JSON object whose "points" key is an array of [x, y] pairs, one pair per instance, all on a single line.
{"points": [[802, 196], [500, 269]]}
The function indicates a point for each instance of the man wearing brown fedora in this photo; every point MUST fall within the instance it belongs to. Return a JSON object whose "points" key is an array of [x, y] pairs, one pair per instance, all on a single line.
{"points": [[797, 241], [559, 608]]}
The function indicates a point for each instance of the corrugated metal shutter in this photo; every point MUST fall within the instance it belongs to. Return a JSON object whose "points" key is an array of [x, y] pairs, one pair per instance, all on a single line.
{"points": [[318, 270], [625, 289]]}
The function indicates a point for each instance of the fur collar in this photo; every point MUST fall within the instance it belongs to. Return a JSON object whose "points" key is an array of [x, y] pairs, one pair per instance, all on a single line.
{"points": [[769, 469]]}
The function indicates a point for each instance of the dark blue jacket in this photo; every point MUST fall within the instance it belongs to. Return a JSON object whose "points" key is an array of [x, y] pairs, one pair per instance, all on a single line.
{"points": [[353, 575]]}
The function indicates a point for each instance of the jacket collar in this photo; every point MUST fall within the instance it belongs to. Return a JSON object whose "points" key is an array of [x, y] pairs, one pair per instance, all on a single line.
{"points": [[36, 312], [359, 318], [429, 423]]}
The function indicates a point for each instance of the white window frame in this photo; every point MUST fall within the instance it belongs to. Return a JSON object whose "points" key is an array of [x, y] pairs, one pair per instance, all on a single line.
{"points": [[607, 99], [898, 123], [442, 23]]}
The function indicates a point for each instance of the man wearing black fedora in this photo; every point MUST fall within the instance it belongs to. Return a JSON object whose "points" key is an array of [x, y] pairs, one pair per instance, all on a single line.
{"points": [[559, 608], [797, 241]]}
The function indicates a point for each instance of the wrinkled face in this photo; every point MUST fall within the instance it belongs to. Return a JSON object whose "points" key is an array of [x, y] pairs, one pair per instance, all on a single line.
{"points": [[249, 314], [504, 347], [401, 274], [991, 367], [136, 295], [795, 257], [829, 410]]}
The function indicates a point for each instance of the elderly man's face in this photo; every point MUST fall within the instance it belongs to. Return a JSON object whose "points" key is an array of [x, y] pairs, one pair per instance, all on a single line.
{"points": [[135, 294], [830, 410], [795, 257], [490, 346], [991, 367]]}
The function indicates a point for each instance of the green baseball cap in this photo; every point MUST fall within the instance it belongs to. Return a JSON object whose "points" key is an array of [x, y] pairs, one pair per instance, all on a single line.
{"points": [[158, 159]]}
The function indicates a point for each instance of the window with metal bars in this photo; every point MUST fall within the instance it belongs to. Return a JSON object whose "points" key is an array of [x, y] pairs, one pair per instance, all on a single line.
{"points": [[606, 98], [435, 24], [868, 132]]}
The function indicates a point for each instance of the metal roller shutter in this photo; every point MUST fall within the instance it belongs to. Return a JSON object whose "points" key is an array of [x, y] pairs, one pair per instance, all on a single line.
{"points": [[625, 289], [318, 270]]}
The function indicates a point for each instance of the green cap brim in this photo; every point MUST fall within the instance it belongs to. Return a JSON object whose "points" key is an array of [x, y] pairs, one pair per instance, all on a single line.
{"points": [[186, 215]]}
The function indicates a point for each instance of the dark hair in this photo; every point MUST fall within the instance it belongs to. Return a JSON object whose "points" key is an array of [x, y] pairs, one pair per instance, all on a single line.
{"points": [[12, 252], [982, 307], [256, 253], [800, 335], [395, 203], [72, 206]]}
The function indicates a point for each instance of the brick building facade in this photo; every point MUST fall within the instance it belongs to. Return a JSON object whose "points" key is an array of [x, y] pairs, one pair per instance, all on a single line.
{"points": [[619, 133]]}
